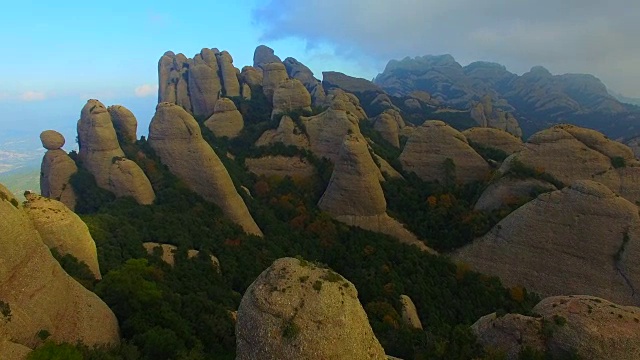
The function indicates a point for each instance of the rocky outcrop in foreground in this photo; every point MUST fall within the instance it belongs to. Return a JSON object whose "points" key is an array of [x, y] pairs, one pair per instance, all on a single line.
{"points": [[56, 170], [437, 152], [589, 327], [354, 195], [102, 156], [40, 294], [297, 310], [176, 138], [61, 229], [582, 239]]}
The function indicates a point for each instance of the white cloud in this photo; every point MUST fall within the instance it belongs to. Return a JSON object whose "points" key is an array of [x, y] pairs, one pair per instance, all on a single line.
{"points": [[589, 36], [33, 96], [146, 90]]}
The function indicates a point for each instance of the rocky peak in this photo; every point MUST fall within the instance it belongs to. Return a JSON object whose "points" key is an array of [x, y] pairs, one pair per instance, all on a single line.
{"points": [[205, 84], [274, 73], [177, 140], [124, 122], [61, 229], [291, 95], [333, 79], [56, 170], [264, 55], [226, 119], [229, 79], [298, 310], [102, 156], [40, 293], [354, 188], [298, 70]]}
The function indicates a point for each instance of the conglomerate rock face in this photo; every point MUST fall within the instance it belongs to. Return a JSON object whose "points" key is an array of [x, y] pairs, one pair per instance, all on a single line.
{"points": [[39, 292], [297, 310], [590, 327], [176, 138], [583, 239]]}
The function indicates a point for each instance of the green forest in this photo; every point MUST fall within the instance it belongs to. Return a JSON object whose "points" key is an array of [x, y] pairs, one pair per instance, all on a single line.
{"points": [[185, 311]]}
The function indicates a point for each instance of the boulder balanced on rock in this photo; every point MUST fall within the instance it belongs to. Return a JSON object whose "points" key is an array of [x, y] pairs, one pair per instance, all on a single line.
{"points": [[56, 170]]}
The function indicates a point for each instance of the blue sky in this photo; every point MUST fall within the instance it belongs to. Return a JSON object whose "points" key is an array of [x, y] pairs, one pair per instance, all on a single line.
{"points": [[59, 54]]}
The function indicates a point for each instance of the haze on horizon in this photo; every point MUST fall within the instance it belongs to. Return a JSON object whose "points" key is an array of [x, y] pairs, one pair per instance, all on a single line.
{"points": [[60, 54]]}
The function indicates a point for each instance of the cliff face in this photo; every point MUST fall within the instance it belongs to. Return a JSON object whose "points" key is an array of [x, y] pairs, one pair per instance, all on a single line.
{"points": [[582, 239], [176, 138]]}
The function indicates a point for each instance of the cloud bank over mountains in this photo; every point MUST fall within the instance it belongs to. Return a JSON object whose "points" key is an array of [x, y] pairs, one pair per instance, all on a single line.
{"points": [[589, 36]]}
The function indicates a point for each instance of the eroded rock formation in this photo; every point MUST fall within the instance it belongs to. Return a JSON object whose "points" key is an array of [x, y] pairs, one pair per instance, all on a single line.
{"points": [[39, 292], [176, 138], [61, 229], [56, 170], [494, 139], [582, 239], [589, 327], [290, 95], [437, 152], [569, 153], [296, 310], [205, 85], [102, 156], [124, 122], [226, 119], [354, 195]]}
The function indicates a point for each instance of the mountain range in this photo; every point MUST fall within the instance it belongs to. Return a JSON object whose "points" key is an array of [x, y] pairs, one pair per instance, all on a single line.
{"points": [[536, 98]]}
